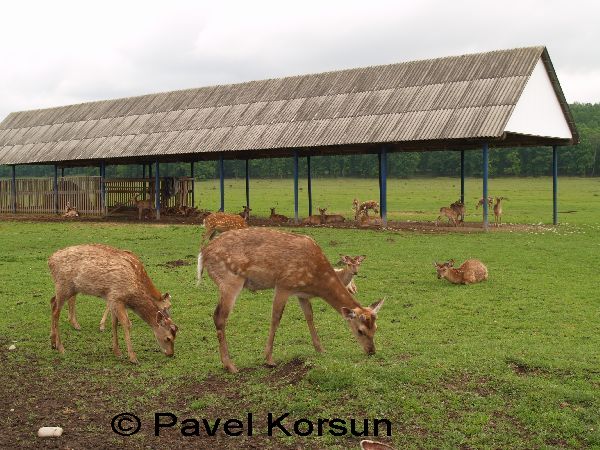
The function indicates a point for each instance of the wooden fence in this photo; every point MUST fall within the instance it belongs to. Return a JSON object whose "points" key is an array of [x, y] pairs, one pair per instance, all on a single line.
{"points": [[38, 196]]}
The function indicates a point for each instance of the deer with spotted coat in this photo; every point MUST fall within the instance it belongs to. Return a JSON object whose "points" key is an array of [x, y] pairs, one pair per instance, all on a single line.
{"points": [[294, 265], [221, 222]]}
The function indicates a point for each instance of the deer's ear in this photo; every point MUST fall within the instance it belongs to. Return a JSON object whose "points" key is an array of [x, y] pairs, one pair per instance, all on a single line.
{"points": [[451, 262], [160, 317], [348, 313], [166, 297], [375, 307], [360, 258]]}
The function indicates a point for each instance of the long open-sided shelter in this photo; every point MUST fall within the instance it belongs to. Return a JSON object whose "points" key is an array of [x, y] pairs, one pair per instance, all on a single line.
{"points": [[506, 98]]}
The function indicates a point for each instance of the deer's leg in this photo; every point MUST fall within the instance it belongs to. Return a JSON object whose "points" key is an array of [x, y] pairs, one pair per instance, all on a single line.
{"points": [[230, 288], [103, 320], [115, 332], [72, 313], [308, 314], [279, 301], [56, 303], [121, 314]]}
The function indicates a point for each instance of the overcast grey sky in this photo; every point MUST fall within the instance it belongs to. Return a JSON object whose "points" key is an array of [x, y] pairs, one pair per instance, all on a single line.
{"points": [[60, 52]]}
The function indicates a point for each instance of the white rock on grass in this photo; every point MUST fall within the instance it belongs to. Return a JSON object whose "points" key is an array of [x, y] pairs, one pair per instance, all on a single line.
{"points": [[50, 432], [12, 347]]}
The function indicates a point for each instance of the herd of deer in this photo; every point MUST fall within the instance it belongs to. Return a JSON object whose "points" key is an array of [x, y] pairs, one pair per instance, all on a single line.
{"points": [[253, 258], [456, 212]]}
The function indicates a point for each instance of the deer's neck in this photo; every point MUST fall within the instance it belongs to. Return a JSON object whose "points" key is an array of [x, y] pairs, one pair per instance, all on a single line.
{"points": [[146, 309], [336, 294]]}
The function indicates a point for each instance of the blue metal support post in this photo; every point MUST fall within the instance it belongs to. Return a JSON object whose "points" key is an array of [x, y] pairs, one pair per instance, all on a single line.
{"points": [[55, 188], [309, 187], [383, 184], [14, 189], [193, 177], [157, 190], [486, 160], [462, 177], [248, 183], [554, 185], [222, 181], [296, 187], [102, 187]]}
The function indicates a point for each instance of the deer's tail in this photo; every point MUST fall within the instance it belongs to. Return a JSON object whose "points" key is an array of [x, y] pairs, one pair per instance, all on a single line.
{"points": [[199, 270]]}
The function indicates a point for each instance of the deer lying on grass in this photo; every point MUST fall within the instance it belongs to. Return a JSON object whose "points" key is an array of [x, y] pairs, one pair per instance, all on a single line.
{"points": [[260, 258], [498, 211], [363, 208], [346, 276], [452, 214], [120, 279], [365, 221], [278, 218], [315, 219], [221, 222], [471, 271], [70, 211], [245, 214], [142, 205], [330, 218]]}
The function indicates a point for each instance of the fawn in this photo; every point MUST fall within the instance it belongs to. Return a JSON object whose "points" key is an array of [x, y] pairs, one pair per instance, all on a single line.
{"points": [[498, 211], [142, 205], [471, 271], [221, 222], [278, 218], [330, 218]]}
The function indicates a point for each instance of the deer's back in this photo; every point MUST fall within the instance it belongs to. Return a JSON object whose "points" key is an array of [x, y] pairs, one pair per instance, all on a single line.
{"points": [[96, 269], [267, 258], [475, 268]]}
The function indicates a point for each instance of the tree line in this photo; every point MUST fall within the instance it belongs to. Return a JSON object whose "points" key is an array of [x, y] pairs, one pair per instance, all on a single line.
{"points": [[579, 160]]}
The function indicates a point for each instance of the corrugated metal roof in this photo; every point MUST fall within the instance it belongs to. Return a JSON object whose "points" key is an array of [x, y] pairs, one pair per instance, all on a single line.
{"points": [[463, 97]]}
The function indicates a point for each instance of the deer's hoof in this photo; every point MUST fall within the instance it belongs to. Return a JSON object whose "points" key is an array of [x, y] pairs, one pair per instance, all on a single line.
{"points": [[231, 368], [133, 360], [76, 326]]}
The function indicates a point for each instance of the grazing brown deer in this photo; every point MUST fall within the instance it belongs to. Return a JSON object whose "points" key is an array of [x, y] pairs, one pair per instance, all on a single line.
{"points": [[452, 215], [278, 218], [498, 211], [330, 218], [245, 214], [346, 276], [120, 279], [459, 207], [363, 208], [142, 206], [221, 222], [471, 271], [261, 258]]}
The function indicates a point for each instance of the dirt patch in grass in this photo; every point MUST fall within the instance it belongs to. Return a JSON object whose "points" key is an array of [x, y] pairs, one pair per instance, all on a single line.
{"points": [[84, 401], [176, 263], [418, 226], [466, 382]]}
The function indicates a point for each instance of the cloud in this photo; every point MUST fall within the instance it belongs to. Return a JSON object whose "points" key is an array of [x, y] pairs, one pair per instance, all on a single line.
{"points": [[64, 52]]}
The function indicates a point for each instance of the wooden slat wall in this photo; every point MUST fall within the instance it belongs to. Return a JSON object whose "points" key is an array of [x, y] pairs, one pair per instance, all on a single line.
{"points": [[36, 195]]}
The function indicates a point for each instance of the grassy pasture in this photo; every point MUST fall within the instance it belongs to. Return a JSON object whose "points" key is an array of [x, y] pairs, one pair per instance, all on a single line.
{"points": [[511, 363]]}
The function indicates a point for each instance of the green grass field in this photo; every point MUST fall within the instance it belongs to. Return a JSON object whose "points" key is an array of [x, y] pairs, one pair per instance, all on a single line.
{"points": [[529, 199], [510, 363]]}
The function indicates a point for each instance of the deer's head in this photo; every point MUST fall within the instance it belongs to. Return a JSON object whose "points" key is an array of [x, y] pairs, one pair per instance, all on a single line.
{"points": [[322, 211], [362, 324], [165, 332], [352, 262], [442, 268]]}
